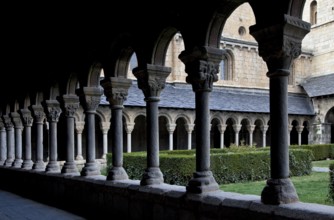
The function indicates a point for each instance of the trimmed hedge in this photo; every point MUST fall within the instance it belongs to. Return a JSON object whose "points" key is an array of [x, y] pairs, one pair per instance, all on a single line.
{"points": [[230, 167], [320, 151]]}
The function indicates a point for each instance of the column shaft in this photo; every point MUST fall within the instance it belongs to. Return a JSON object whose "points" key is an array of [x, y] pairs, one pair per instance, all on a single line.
{"points": [[279, 124]]}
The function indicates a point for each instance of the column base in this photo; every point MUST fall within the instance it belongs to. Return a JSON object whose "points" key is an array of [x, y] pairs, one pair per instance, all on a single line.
{"points": [[90, 169], [52, 167], [152, 176], [27, 164], [9, 162], [2, 162], [202, 182], [79, 157], [39, 166], [117, 173], [70, 168], [17, 163], [279, 191]]}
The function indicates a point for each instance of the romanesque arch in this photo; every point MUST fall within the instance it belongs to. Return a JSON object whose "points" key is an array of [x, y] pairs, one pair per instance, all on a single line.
{"points": [[329, 119]]}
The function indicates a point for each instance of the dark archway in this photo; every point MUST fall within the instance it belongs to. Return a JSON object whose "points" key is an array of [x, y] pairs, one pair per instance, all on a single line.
{"points": [[180, 136], [163, 133], [139, 134], [214, 134]]}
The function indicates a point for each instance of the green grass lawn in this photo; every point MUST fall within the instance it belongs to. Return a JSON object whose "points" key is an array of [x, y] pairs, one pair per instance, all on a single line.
{"points": [[322, 163], [310, 188]]}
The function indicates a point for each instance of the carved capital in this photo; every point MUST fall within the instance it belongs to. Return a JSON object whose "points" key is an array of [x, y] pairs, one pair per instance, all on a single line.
{"points": [[79, 126], [54, 110], [2, 124], [152, 80], [92, 98], [116, 90], [8, 121], [26, 117], [71, 104], [281, 43], [16, 118], [38, 113], [202, 67]]}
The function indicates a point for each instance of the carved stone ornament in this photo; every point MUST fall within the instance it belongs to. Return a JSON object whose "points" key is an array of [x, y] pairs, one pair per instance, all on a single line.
{"points": [[202, 66], [281, 43], [39, 114], [116, 90], [71, 104], [152, 80], [8, 121], [92, 98], [2, 125], [54, 110], [16, 118], [26, 117]]}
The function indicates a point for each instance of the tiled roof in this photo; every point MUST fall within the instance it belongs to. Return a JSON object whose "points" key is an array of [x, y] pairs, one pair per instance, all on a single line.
{"points": [[221, 98], [319, 85]]}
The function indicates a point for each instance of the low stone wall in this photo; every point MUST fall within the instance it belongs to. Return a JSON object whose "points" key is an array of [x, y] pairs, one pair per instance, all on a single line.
{"points": [[94, 198]]}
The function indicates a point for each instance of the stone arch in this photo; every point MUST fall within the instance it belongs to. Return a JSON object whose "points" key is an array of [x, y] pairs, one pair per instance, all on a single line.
{"points": [[329, 120], [162, 43], [187, 119], [72, 84], [94, 75]]}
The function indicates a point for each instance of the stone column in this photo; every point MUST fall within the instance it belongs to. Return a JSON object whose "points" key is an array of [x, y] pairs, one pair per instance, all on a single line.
{"points": [[279, 45], [92, 98], [152, 81], [105, 126], [202, 67], [3, 143], [300, 130], [222, 129], [289, 134], [250, 129], [18, 127], [71, 104], [27, 120], [129, 128], [10, 140], [236, 129], [189, 129], [264, 129], [171, 129], [116, 91], [39, 115], [54, 111], [79, 126]]}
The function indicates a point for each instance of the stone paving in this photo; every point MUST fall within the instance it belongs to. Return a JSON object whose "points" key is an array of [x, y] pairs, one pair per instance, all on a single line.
{"points": [[14, 207]]}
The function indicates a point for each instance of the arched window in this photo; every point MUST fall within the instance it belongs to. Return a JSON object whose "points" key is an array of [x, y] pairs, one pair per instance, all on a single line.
{"points": [[226, 66], [313, 12]]}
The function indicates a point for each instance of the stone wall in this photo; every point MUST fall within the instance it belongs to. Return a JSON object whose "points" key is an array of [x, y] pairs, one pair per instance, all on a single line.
{"points": [[96, 198]]}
